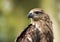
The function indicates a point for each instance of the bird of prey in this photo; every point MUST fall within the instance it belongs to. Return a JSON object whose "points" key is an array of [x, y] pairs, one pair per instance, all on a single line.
{"points": [[40, 28]]}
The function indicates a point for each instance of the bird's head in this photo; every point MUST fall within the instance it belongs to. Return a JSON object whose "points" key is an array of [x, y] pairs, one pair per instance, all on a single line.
{"points": [[37, 14]]}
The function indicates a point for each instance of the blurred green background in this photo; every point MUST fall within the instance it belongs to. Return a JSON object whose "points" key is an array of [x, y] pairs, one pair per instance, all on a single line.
{"points": [[13, 16]]}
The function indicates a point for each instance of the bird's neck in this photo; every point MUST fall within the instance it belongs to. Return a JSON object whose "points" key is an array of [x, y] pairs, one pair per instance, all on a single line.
{"points": [[41, 23], [37, 24]]}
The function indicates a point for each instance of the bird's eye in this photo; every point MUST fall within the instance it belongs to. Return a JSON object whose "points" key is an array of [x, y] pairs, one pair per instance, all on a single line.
{"points": [[37, 12]]}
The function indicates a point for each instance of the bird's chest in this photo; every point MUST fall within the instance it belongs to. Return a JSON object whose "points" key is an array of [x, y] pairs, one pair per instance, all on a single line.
{"points": [[34, 33], [43, 28]]}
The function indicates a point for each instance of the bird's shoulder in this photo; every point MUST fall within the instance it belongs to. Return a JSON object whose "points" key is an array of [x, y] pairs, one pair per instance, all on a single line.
{"points": [[24, 32]]}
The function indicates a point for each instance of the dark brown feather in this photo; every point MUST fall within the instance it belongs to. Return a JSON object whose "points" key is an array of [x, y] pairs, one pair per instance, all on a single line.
{"points": [[22, 33]]}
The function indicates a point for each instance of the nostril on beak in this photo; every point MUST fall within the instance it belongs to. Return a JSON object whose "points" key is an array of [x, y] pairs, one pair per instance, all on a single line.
{"points": [[30, 15]]}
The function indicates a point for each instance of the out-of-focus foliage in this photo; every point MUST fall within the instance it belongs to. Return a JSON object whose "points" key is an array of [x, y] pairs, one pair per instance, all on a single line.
{"points": [[13, 15]]}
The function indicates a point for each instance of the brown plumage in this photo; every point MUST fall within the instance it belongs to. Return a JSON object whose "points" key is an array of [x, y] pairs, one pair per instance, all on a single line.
{"points": [[39, 30]]}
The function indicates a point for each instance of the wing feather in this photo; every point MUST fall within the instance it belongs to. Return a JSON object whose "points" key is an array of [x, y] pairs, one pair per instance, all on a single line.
{"points": [[22, 33]]}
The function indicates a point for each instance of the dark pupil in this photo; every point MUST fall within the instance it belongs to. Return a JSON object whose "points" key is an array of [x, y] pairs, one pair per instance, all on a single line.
{"points": [[37, 12]]}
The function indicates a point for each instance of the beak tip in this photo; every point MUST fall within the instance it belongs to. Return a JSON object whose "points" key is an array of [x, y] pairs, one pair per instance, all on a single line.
{"points": [[30, 15]]}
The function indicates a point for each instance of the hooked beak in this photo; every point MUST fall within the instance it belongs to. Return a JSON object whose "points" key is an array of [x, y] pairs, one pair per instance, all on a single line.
{"points": [[30, 15]]}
